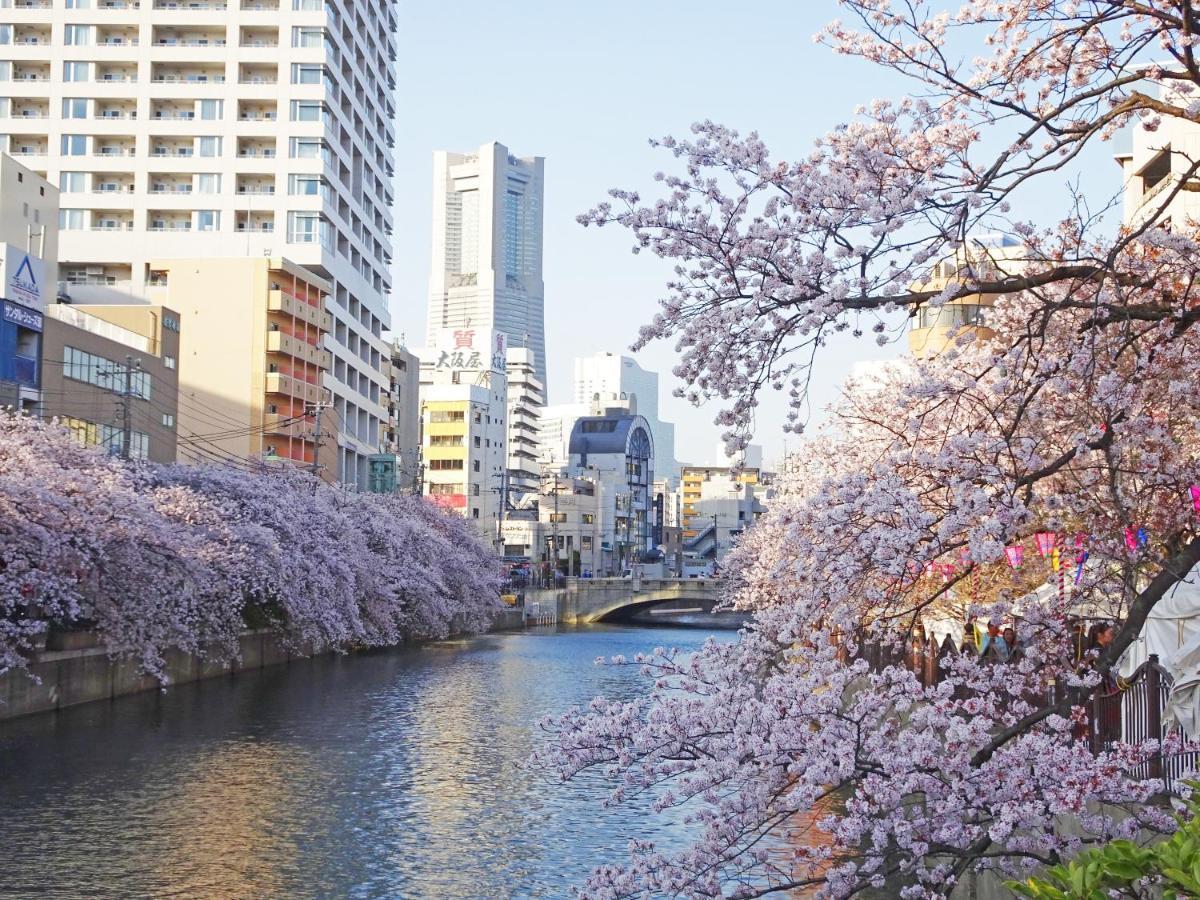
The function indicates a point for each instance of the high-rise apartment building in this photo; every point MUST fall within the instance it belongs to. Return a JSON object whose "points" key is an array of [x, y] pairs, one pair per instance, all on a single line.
{"points": [[526, 399], [486, 270], [207, 128]]}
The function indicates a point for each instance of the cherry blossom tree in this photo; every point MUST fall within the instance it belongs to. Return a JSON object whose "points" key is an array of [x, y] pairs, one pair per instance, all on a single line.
{"points": [[1078, 418], [162, 557]]}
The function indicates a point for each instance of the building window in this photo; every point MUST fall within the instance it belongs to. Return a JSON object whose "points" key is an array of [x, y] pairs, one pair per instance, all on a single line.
{"points": [[445, 465], [588, 518], [306, 73], [559, 517], [208, 220], [72, 182], [170, 323], [444, 490], [77, 35], [304, 185], [474, 490], [303, 227], [446, 415], [70, 219], [474, 512], [74, 145], [445, 440], [74, 108], [169, 362], [109, 437], [103, 373], [304, 148], [79, 4], [212, 109], [75, 71], [208, 183], [168, 420], [209, 146], [307, 5], [306, 111], [308, 37]]}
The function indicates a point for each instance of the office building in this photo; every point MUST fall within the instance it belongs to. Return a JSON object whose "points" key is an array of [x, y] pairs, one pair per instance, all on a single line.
{"points": [[718, 504], [464, 405], [486, 270], [163, 124], [617, 451], [28, 254], [607, 380], [110, 375]]}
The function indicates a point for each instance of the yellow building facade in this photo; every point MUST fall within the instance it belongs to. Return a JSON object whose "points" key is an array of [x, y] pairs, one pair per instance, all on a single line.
{"points": [[252, 360]]}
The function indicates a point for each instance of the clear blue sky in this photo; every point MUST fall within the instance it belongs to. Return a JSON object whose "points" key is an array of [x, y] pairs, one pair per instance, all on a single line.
{"points": [[585, 85]]}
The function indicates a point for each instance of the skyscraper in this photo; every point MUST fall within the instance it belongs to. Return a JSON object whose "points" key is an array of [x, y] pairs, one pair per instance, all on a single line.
{"points": [[486, 270], [162, 123]]}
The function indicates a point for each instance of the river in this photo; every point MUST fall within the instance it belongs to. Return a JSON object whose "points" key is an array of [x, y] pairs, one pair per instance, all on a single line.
{"points": [[387, 774]]}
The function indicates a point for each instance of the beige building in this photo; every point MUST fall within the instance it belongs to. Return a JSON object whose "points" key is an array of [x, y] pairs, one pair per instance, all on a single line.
{"points": [[110, 374], [403, 435], [936, 328], [1155, 166], [252, 362]]}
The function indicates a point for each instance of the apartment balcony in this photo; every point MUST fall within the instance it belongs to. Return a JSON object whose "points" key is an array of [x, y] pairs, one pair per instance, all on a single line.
{"points": [[258, 74], [31, 36], [112, 220], [257, 111], [114, 150], [287, 426], [118, 4], [260, 6], [112, 183], [116, 74], [29, 108], [258, 38], [255, 186], [161, 220], [161, 110], [286, 345], [256, 148], [172, 150], [116, 36], [281, 301], [256, 227], [278, 383], [192, 5], [27, 145], [31, 72], [32, 4], [108, 111], [162, 73], [188, 37]]}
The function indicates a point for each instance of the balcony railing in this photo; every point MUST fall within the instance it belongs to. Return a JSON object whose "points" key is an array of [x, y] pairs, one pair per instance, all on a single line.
{"points": [[176, 226]]}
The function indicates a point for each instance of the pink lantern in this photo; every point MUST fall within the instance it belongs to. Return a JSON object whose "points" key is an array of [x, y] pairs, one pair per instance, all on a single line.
{"points": [[1015, 554], [1080, 540], [1195, 491], [1045, 541], [1131, 540], [947, 571]]}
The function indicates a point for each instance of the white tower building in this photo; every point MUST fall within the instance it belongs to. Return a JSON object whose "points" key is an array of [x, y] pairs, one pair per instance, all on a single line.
{"points": [[609, 379], [486, 270], [219, 128]]}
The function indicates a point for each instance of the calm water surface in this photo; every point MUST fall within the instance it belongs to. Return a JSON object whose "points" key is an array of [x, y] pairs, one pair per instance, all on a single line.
{"points": [[378, 775]]}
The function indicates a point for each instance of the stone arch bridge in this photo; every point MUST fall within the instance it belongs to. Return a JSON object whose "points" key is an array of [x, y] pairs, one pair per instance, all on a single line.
{"points": [[587, 600]]}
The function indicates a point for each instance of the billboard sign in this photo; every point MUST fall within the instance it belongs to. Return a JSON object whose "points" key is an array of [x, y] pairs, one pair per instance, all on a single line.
{"points": [[470, 349], [20, 315], [24, 278]]}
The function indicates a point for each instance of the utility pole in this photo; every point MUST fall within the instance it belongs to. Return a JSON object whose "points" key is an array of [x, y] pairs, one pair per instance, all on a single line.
{"points": [[317, 408], [127, 406]]}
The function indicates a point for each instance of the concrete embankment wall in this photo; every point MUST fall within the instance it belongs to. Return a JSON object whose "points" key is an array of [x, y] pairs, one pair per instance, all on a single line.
{"points": [[69, 677]]}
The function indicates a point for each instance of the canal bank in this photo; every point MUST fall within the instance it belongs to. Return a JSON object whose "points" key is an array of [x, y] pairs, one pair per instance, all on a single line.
{"points": [[58, 679]]}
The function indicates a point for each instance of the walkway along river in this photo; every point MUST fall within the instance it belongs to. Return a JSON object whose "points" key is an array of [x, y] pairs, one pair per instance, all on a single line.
{"points": [[391, 774]]}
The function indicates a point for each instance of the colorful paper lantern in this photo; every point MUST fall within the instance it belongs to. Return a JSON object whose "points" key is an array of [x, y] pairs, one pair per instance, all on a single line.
{"points": [[1045, 541], [1080, 559], [1130, 540], [1055, 559], [1195, 492], [1015, 554]]}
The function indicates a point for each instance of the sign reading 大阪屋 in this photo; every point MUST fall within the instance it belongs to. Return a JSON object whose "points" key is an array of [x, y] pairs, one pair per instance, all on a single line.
{"points": [[24, 278], [470, 349]]}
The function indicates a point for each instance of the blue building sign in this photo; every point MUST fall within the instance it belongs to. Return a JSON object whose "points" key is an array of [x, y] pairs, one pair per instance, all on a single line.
{"points": [[20, 344]]}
